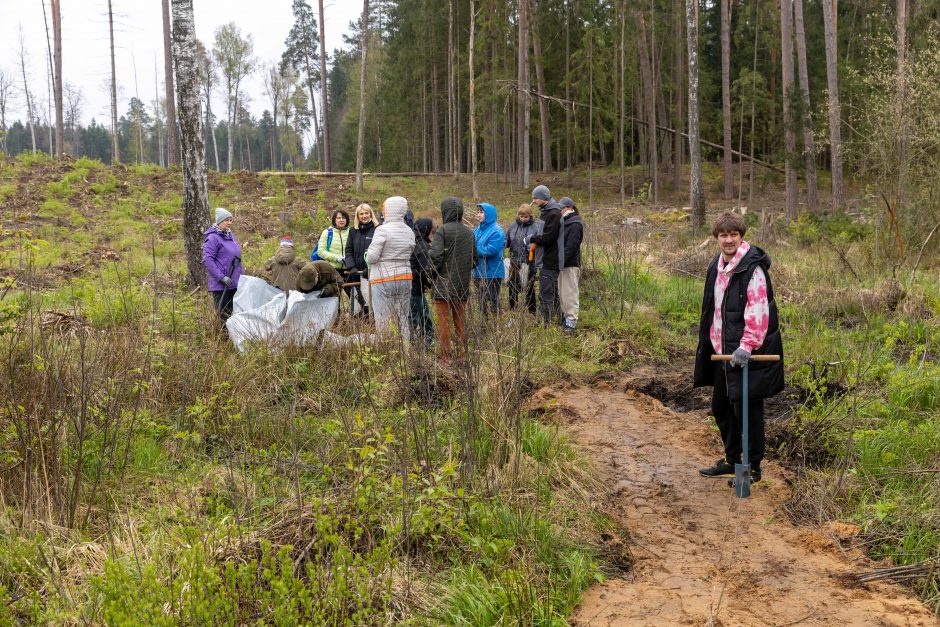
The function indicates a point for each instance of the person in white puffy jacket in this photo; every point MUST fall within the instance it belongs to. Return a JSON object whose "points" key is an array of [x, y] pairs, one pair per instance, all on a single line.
{"points": [[389, 260]]}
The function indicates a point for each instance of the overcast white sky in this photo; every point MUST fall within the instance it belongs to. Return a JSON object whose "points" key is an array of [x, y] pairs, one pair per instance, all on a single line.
{"points": [[138, 34]]}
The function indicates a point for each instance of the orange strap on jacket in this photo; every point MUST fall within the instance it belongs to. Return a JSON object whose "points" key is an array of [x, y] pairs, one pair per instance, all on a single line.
{"points": [[399, 277]]}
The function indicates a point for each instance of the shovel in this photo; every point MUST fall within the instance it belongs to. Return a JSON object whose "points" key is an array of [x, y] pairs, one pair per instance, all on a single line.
{"points": [[742, 472]]}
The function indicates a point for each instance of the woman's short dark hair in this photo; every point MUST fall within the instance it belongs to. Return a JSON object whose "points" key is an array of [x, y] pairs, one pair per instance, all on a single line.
{"points": [[729, 222], [339, 212]]}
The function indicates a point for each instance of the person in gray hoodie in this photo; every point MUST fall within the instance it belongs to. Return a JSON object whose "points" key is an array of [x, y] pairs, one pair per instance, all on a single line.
{"points": [[389, 259]]}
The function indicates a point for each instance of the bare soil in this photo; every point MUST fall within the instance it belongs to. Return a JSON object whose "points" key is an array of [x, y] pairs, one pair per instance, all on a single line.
{"points": [[702, 556]]}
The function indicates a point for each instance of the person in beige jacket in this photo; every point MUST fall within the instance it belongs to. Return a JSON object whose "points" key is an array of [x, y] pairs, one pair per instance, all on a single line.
{"points": [[389, 260]]}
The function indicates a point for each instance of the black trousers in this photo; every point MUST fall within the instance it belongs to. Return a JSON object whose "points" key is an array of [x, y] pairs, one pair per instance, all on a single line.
{"points": [[550, 307], [728, 417], [488, 294], [223, 301]]}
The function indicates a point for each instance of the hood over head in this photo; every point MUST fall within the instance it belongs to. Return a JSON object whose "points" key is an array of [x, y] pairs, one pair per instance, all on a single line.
{"points": [[451, 209], [395, 208], [489, 213], [410, 218], [423, 226], [285, 255]]}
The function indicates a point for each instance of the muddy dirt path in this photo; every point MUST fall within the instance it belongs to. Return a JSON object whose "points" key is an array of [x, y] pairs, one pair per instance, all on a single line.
{"points": [[696, 562]]}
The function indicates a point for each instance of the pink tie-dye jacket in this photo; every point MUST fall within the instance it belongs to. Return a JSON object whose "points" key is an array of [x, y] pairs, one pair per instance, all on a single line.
{"points": [[757, 310]]}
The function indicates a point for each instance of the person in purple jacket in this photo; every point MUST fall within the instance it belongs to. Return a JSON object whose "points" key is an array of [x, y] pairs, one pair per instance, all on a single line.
{"points": [[222, 257]]}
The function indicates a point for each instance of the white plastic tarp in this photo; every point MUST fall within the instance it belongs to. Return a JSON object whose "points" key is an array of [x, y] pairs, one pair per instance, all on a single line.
{"points": [[307, 315], [258, 324], [253, 293], [263, 313]]}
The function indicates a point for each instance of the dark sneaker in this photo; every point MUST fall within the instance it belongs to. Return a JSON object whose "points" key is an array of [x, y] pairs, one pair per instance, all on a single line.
{"points": [[721, 469]]}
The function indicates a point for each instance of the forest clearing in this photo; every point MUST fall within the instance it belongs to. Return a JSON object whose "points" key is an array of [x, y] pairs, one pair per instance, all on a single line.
{"points": [[261, 368]]}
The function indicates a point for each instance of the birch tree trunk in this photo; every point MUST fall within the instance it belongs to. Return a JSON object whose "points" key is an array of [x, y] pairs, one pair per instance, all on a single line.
{"points": [[57, 55], [696, 188], [543, 103], [173, 145], [727, 163], [786, 65], [115, 144], [324, 108], [361, 139], [835, 109], [473, 111], [195, 176], [809, 144], [522, 93]]}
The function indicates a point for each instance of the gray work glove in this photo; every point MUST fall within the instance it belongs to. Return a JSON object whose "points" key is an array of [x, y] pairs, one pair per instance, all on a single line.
{"points": [[227, 281], [740, 356]]}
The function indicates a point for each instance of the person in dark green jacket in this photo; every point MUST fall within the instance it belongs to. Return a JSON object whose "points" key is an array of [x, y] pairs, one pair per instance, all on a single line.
{"points": [[453, 256]]}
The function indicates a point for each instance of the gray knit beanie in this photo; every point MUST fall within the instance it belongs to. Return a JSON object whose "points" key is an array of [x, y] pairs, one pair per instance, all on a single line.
{"points": [[541, 193], [221, 215]]}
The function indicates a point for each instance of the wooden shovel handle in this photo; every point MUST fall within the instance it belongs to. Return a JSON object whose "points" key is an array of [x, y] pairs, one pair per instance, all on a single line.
{"points": [[753, 357]]}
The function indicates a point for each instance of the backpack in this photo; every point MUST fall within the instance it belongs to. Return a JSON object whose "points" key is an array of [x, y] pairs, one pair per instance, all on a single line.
{"points": [[329, 241]]}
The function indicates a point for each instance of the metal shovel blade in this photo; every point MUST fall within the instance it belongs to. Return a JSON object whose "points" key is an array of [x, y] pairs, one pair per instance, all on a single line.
{"points": [[742, 480]]}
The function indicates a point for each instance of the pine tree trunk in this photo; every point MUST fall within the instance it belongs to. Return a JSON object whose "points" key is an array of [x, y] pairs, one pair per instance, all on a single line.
{"points": [[621, 101], [195, 176], [677, 137], [324, 106], [173, 146], [313, 100], [649, 98], [57, 54], [809, 145], [786, 64], [26, 93], [361, 138], [435, 121], [568, 105], [115, 144], [727, 163], [697, 189], [543, 103], [473, 111], [522, 121], [835, 110], [903, 143]]}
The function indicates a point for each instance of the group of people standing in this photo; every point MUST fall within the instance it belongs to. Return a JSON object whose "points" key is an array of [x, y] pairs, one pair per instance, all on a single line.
{"points": [[400, 261]]}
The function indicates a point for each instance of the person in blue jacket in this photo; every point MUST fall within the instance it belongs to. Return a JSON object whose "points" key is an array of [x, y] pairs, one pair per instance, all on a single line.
{"points": [[489, 271]]}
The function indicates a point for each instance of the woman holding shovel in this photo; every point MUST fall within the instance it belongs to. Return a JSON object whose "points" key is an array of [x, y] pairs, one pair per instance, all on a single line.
{"points": [[739, 318]]}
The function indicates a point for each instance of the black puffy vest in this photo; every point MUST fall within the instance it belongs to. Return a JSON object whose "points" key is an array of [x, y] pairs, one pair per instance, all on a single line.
{"points": [[765, 378]]}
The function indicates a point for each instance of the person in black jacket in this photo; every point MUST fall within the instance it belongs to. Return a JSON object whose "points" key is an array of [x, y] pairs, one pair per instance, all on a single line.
{"points": [[420, 317], [739, 318], [358, 242], [569, 275], [551, 240]]}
